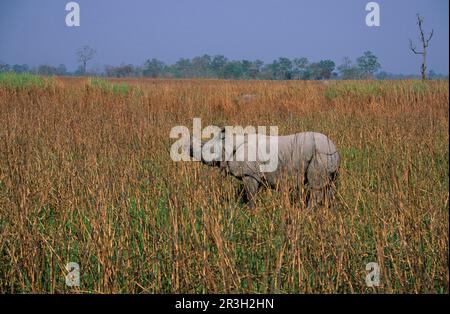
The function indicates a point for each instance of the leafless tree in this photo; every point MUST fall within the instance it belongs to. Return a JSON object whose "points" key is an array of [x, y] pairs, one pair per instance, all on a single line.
{"points": [[425, 41], [85, 54]]}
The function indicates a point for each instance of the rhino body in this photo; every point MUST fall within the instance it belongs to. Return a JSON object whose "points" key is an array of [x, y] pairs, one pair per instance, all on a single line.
{"points": [[307, 158]]}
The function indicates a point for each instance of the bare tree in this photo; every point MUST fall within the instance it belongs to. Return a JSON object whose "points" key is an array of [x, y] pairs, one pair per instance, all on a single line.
{"points": [[85, 54], [425, 42]]}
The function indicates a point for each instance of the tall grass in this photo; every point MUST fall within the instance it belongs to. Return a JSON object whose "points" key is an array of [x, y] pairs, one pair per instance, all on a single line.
{"points": [[11, 79], [108, 87], [86, 177]]}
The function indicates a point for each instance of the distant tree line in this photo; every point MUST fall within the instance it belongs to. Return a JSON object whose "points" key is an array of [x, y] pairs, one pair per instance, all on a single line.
{"points": [[366, 66]]}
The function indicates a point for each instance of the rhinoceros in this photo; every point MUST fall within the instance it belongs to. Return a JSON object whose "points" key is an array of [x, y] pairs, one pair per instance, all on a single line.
{"points": [[306, 158]]}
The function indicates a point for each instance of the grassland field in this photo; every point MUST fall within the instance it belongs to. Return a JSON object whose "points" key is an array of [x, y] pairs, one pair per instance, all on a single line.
{"points": [[86, 177]]}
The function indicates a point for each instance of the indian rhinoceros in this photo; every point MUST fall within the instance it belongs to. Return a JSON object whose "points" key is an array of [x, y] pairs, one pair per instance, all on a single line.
{"points": [[307, 158]]}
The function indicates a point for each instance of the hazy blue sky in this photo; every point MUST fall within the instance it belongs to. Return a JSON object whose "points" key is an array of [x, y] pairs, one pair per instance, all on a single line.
{"points": [[34, 31]]}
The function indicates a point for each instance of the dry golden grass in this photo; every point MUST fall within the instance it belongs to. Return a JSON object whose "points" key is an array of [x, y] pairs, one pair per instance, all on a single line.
{"points": [[86, 177]]}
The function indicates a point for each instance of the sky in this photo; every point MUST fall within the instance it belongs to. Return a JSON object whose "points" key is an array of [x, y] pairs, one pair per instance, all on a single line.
{"points": [[132, 31]]}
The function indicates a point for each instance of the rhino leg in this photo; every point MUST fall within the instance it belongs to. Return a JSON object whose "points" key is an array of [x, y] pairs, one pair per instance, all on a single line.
{"points": [[251, 186], [324, 196], [313, 198]]}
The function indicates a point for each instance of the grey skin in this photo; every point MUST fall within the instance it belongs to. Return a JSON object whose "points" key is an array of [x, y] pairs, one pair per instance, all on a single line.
{"points": [[307, 158]]}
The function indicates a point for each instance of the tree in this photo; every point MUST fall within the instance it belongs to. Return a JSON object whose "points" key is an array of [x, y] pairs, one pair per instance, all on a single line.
{"points": [[284, 69], [348, 70], [153, 68], [300, 66], [4, 67], [85, 54], [425, 42], [233, 70], [45, 69], [246, 67], [368, 64], [321, 70], [266, 72], [20, 68], [201, 66], [124, 70], [280, 69], [383, 75], [182, 68], [217, 65], [432, 74], [326, 69], [314, 71], [78, 71], [61, 70], [255, 69]]}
